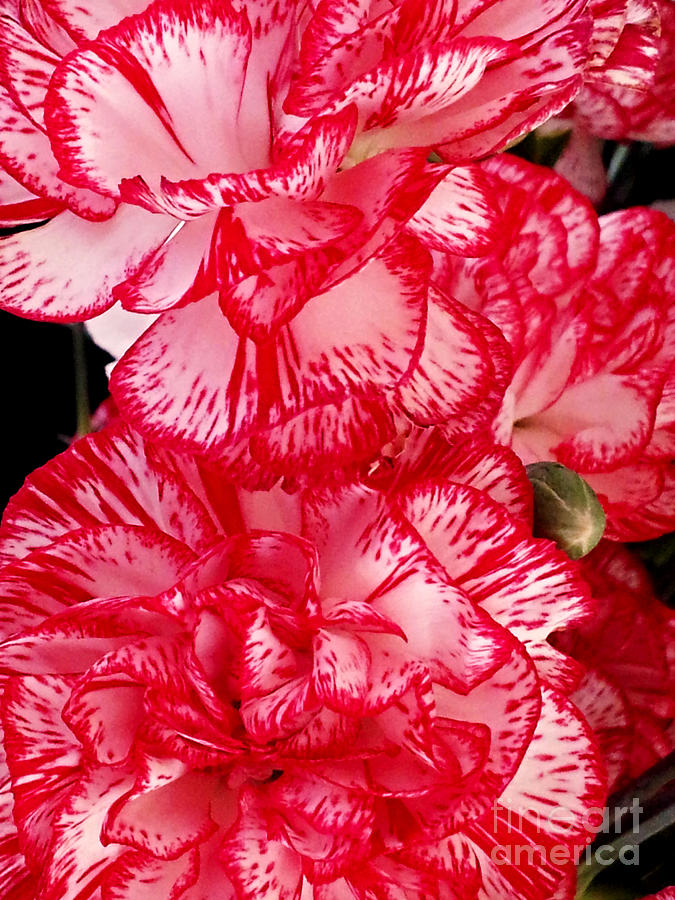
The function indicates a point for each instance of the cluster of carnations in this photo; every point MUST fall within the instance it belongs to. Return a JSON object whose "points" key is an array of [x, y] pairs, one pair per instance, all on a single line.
{"points": [[281, 630]]}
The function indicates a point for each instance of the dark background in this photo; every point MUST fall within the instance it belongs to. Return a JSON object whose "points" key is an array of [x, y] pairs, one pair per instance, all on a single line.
{"points": [[38, 409]]}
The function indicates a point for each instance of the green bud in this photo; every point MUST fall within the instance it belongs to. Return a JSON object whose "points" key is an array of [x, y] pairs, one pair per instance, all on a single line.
{"points": [[566, 509]]}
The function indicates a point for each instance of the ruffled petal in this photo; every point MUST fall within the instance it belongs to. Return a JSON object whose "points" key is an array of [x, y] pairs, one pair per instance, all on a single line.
{"points": [[526, 585], [117, 108], [104, 479], [46, 274], [460, 216], [258, 865], [25, 152], [44, 755], [231, 388], [140, 876]]}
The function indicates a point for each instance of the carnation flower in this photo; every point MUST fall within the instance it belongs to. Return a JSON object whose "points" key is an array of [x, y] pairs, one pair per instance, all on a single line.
{"points": [[585, 306], [232, 167], [401, 67], [630, 92], [628, 649], [300, 416], [346, 693]]}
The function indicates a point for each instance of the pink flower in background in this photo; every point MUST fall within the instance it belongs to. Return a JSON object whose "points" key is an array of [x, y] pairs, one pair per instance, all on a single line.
{"points": [[630, 94], [585, 306], [628, 648], [219, 693]]}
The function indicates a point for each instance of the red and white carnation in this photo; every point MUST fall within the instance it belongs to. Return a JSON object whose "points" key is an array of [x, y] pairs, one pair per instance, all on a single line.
{"points": [[628, 648], [586, 308], [630, 92], [233, 167], [337, 694]]}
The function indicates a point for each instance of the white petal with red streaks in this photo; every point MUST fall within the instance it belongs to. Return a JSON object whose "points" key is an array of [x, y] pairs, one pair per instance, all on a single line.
{"points": [[514, 98], [110, 481], [173, 272], [360, 616], [323, 50], [328, 735], [155, 661], [301, 172], [40, 23], [260, 304], [511, 722], [330, 808], [15, 877], [44, 755], [545, 189], [20, 206], [47, 274], [475, 461], [561, 770], [633, 64], [514, 19], [105, 715], [444, 631], [85, 21], [460, 216], [112, 561], [26, 154], [453, 856], [605, 709], [387, 190], [526, 585], [117, 108], [513, 865], [455, 371], [603, 421], [116, 329], [340, 675], [78, 860], [139, 876], [267, 662], [107, 562], [313, 442], [398, 92], [544, 375], [258, 865], [25, 68], [282, 563], [409, 724], [280, 713], [609, 22], [637, 520], [209, 396], [165, 822], [12, 193]]}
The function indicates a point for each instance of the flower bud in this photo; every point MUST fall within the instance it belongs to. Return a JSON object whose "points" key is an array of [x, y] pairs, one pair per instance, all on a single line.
{"points": [[566, 509]]}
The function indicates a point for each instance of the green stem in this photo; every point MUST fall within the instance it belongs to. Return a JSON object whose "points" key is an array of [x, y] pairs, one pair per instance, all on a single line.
{"points": [[81, 382], [617, 161]]}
